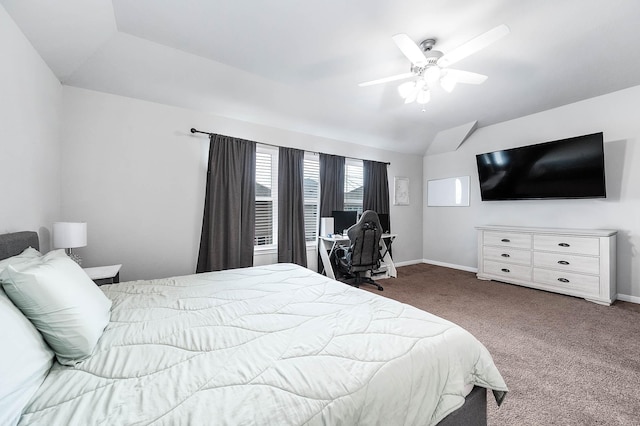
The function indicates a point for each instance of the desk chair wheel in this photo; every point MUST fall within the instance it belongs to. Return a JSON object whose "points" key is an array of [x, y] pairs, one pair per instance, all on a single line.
{"points": [[357, 280]]}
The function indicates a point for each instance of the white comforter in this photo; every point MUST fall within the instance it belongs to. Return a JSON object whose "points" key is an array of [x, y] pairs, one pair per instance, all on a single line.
{"points": [[277, 345]]}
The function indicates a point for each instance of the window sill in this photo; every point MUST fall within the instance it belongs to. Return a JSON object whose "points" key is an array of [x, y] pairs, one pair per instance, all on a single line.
{"points": [[270, 249]]}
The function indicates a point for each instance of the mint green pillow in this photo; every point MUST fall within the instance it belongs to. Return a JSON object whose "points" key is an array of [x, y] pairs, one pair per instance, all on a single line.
{"points": [[62, 302], [25, 360], [27, 255]]}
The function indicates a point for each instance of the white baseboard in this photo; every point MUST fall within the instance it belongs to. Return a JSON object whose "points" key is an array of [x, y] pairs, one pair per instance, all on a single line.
{"points": [[627, 298], [408, 262], [450, 265], [623, 297]]}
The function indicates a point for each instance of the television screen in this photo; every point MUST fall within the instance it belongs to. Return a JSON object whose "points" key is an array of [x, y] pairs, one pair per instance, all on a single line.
{"points": [[343, 220], [567, 168]]}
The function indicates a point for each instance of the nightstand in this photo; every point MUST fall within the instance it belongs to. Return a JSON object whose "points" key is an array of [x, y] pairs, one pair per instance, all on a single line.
{"points": [[104, 274]]}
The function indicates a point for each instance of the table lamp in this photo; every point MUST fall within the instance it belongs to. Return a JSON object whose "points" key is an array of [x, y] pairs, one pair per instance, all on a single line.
{"points": [[70, 235]]}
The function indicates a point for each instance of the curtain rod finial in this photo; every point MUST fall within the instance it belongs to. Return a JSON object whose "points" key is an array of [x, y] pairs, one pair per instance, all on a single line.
{"points": [[193, 130]]}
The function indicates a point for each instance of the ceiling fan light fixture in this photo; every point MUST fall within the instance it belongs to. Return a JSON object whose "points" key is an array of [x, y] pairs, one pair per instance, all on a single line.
{"points": [[429, 67]]}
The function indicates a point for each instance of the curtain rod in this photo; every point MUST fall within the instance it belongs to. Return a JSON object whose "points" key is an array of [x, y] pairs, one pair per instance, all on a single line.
{"points": [[278, 146]]}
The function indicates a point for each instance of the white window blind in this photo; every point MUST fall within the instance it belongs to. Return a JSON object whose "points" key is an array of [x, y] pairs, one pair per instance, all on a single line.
{"points": [[266, 196], [353, 185], [311, 196]]}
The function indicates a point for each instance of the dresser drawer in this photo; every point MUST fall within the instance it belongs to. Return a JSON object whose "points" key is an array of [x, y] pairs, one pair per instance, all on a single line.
{"points": [[567, 244], [584, 284], [507, 270], [507, 239], [507, 254], [567, 262]]}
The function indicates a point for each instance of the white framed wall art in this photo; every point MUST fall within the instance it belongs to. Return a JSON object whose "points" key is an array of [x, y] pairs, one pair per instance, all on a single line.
{"points": [[400, 191], [451, 192]]}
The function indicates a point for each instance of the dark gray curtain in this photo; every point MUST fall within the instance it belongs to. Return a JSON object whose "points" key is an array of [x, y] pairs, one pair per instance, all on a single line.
{"points": [[228, 223], [331, 184], [376, 187], [292, 247]]}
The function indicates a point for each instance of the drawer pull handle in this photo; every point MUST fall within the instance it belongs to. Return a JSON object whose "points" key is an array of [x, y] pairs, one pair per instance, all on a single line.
{"points": [[563, 262], [505, 240], [564, 245], [563, 280], [505, 255], [505, 270]]}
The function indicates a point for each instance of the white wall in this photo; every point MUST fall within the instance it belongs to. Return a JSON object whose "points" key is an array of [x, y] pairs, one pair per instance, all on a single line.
{"points": [[449, 234], [29, 140], [133, 171]]}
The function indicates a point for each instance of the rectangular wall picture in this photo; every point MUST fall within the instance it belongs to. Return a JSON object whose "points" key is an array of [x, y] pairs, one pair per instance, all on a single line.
{"points": [[449, 192], [400, 191]]}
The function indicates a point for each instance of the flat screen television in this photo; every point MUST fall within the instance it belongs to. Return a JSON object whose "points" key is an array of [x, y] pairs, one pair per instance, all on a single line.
{"points": [[567, 168]]}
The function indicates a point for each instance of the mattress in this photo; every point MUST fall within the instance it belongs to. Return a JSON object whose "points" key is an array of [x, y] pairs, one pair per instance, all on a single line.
{"points": [[269, 345]]}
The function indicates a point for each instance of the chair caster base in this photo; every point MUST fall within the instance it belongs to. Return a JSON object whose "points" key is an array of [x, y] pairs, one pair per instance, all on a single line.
{"points": [[355, 282]]}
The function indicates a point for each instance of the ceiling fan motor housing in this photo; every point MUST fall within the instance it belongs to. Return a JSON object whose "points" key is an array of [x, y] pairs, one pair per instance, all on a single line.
{"points": [[432, 61], [427, 48], [431, 56]]}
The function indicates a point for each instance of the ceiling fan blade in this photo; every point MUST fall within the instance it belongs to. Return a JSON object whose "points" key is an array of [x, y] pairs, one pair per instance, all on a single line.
{"points": [[387, 79], [410, 49], [474, 45], [466, 76]]}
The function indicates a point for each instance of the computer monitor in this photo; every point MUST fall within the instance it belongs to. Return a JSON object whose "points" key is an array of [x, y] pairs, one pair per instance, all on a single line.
{"points": [[384, 221], [343, 220]]}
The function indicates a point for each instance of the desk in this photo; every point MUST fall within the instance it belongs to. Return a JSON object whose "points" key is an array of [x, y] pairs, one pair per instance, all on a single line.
{"points": [[328, 245]]}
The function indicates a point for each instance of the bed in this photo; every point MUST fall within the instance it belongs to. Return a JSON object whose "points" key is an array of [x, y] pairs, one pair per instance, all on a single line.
{"points": [[276, 344]]}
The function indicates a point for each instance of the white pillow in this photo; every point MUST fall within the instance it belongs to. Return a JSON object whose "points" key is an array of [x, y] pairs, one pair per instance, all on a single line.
{"points": [[62, 302], [25, 360], [26, 256]]}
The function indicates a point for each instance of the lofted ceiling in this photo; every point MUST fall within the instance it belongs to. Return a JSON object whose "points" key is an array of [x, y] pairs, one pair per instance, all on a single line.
{"points": [[296, 64]]}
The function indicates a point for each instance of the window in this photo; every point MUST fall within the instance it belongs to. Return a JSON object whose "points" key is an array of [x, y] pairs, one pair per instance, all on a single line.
{"points": [[266, 196], [311, 196], [353, 185]]}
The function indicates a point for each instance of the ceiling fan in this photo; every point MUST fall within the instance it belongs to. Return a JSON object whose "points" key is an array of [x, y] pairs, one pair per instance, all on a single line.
{"points": [[432, 66]]}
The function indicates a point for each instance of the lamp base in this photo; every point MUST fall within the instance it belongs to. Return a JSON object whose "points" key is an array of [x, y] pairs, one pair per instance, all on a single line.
{"points": [[73, 256]]}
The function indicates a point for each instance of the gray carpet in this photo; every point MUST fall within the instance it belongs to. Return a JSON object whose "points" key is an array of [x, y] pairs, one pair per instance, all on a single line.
{"points": [[566, 361]]}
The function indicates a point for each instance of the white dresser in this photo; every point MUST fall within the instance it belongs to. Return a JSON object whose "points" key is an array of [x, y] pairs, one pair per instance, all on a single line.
{"points": [[577, 262]]}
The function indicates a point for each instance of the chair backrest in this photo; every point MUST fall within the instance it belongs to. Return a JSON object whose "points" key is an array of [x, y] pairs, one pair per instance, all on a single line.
{"points": [[365, 242]]}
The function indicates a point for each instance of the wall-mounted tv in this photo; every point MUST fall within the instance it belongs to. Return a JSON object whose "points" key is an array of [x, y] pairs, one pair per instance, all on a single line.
{"points": [[567, 168]]}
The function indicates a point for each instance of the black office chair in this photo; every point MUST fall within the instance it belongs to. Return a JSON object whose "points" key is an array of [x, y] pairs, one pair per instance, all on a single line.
{"points": [[364, 252]]}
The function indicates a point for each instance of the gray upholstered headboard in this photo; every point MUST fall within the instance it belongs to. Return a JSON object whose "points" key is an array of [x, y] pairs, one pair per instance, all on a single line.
{"points": [[16, 242]]}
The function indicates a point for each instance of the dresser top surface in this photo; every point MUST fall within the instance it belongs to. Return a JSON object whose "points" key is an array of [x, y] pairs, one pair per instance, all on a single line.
{"points": [[563, 231]]}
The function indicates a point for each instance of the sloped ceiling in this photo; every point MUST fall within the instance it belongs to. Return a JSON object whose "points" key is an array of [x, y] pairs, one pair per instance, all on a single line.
{"points": [[296, 64]]}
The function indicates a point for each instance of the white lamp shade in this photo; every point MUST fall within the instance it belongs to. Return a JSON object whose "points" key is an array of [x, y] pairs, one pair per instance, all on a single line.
{"points": [[69, 234]]}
